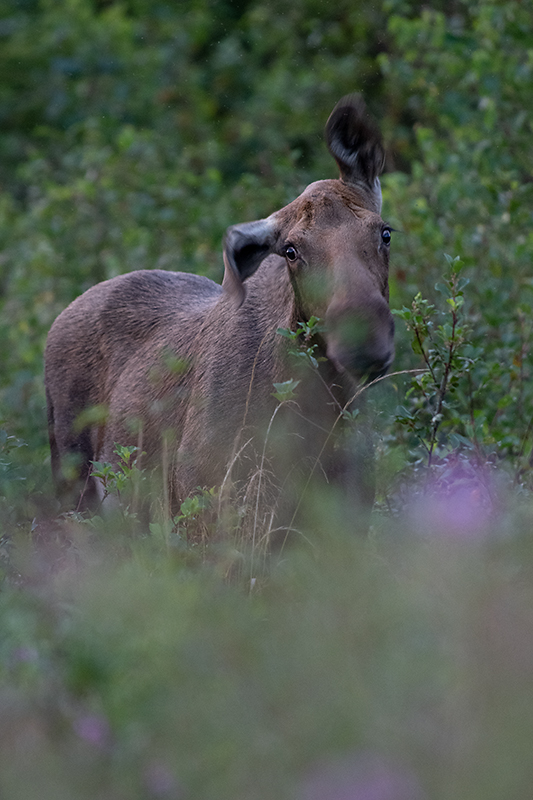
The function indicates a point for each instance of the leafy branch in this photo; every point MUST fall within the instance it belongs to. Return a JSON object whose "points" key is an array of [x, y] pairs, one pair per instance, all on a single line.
{"points": [[439, 337]]}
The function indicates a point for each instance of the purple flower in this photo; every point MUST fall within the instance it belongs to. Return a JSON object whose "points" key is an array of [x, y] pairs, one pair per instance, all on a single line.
{"points": [[27, 655], [160, 781], [367, 776], [457, 505], [93, 729]]}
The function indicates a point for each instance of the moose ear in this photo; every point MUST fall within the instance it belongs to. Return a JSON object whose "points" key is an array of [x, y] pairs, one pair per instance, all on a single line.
{"points": [[354, 141], [245, 246]]}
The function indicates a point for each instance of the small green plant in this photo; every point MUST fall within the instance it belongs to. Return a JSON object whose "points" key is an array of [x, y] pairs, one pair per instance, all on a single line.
{"points": [[193, 508], [192, 525], [7, 445], [13, 484], [285, 391], [122, 480], [304, 349], [441, 338]]}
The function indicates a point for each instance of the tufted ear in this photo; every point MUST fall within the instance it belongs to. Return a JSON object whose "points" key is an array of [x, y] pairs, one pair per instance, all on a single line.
{"points": [[354, 141], [245, 246]]}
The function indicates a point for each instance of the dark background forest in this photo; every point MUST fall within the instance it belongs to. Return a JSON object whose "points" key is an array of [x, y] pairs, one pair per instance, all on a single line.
{"points": [[132, 134]]}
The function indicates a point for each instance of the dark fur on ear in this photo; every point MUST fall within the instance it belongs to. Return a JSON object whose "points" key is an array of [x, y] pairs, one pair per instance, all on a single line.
{"points": [[354, 141], [245, 246]]}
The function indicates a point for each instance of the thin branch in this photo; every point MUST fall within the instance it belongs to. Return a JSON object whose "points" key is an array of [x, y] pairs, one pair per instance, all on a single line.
{"points": [[442, 388]]}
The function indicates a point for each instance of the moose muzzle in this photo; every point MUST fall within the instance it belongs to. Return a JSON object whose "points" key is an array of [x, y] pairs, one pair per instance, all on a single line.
{"points": [[360, 339]]}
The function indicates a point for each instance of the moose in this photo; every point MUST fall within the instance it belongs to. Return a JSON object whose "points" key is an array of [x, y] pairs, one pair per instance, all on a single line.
{"points": [[185, 367]]}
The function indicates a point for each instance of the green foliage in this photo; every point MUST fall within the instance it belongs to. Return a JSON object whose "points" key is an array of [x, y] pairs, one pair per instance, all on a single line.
{"points": [[304, 348], [11, 477], [194, 521], [463, 80], [440, 338], [7, 445], [194, 504], [116, 479], [350, 667]]}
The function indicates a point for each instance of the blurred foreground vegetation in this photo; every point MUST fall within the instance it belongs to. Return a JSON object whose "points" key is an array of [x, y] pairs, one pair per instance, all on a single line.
{"points": [[399, 666]]}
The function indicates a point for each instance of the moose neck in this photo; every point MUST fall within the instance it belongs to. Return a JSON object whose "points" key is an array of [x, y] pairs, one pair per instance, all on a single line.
{"points": [[274, 283]]}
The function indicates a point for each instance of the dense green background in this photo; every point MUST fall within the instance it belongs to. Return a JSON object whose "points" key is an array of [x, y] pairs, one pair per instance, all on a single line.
{"points": [[131, 135]]}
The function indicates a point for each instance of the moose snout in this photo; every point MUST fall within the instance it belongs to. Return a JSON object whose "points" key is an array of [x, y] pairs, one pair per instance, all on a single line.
{"points": [[360, 340]]}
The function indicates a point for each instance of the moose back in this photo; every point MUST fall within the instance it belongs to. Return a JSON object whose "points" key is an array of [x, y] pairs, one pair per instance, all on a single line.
{"points": [[180, 365]]}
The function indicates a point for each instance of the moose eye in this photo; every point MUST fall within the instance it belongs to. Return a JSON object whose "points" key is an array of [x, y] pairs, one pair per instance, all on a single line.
{"points": [[291, 253], [386, 235]]}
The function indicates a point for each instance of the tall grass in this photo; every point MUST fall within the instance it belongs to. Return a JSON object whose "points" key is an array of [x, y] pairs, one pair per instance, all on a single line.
{"points": [[390, 666]]}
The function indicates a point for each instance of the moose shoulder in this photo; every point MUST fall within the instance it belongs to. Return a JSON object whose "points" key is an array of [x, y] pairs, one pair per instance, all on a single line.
{"points": [[179, 364]]}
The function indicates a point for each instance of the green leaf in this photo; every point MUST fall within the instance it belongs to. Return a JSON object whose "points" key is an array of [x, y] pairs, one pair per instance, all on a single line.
{"points": [[288, 334], [285, 391]]}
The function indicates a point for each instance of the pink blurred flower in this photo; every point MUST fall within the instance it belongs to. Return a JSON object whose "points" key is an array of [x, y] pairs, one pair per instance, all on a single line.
{"points": [[367, 776], [456, 505], [28, 655], [160, 781], [93, 729]]}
